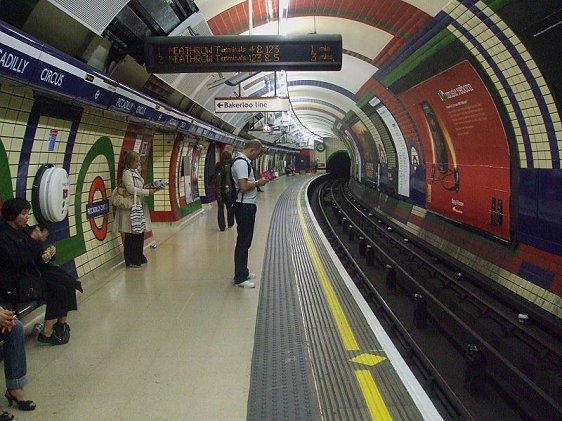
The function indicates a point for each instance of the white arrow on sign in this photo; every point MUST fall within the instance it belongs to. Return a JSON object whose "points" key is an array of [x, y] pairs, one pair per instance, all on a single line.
{"points": [[251, 104]]}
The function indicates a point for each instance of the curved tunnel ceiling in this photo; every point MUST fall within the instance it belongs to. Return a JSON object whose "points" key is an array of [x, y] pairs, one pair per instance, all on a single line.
{"points": [[371, 31]]}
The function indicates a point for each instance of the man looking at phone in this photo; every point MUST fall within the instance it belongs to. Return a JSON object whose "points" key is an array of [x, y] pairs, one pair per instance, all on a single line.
{"points": [[245, 209]]}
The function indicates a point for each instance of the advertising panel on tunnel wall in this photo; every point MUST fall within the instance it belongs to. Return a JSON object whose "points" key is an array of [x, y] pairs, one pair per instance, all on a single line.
{"points": [[367, 151], [468, 165]]}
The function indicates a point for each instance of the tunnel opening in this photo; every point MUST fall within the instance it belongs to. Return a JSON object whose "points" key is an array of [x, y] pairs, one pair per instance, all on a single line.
{"points": [[339, 164]]}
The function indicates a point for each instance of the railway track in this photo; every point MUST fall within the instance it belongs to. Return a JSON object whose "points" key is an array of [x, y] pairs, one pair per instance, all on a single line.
{"points": [[484, 352]]}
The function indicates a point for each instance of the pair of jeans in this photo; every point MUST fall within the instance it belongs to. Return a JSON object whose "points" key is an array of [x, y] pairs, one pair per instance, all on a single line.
{"points": [[229, 215], [15, 365], [245, 214]]}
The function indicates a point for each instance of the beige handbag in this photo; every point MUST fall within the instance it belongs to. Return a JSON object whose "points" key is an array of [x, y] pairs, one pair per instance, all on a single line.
{"points": [[121, 198]]}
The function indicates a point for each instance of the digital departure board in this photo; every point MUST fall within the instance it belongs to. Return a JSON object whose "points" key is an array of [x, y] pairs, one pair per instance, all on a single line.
{"points": [[237, 53]]}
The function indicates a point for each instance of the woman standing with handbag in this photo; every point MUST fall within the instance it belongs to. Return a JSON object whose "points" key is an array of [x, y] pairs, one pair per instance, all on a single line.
{"points": [[133, 239]]}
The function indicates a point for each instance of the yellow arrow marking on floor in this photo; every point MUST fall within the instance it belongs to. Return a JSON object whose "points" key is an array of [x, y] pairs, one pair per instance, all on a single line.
{"points": [[368, 359], [373, 398]]}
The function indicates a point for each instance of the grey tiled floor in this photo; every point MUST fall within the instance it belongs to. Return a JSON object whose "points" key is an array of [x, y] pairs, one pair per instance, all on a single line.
{"points": [[170, 341]]}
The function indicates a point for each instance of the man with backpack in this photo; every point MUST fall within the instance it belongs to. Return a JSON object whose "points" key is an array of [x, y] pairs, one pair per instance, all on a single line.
{"points": [[245, 208], [225, 189]]}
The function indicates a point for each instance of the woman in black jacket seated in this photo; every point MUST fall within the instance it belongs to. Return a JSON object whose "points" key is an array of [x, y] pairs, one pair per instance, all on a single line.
{"points": [[25, 275]]}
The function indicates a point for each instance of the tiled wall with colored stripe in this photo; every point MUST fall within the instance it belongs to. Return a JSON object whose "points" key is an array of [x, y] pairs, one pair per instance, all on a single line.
{"points": [[162, 152], [517, 78], [534, 274], [34, 134], [88, 143], [531, 119]]}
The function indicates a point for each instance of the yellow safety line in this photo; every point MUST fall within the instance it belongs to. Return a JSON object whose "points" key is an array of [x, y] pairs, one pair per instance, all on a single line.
{"points": [[346, 334], [375, 402]]}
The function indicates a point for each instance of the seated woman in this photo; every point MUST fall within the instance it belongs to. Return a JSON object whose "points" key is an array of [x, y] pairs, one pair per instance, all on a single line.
{"points": [[23, 257], [15, 367]]}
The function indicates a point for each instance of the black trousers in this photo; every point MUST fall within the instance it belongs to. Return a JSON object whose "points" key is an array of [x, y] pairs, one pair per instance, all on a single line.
{"points": [[229, 214], [245, 219], [59, 293], [132, 249]]}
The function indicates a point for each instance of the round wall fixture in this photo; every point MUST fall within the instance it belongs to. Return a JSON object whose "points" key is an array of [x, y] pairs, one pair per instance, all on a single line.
{"points": [[50, 194], [320, 147]]}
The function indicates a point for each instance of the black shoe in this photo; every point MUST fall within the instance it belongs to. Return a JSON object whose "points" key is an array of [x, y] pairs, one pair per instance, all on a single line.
{"points": [[78, 286], [53, 339], [62, 330], [6, 416], [22, 405]]}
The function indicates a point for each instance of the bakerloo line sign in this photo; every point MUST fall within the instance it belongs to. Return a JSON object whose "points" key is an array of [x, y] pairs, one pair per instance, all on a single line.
{"points": [[251, 104]]}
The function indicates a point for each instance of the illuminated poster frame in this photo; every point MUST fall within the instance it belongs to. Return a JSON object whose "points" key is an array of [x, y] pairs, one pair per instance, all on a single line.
{"points": [[468, 174]]}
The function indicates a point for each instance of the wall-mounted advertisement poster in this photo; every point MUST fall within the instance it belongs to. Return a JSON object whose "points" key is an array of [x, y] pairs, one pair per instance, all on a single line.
{"points": [[367, 151], [401, 151], [466, 149], [194, 153], [186, 175]]}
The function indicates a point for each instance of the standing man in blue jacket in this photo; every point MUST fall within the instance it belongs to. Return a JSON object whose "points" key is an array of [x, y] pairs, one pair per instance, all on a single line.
{"points": [[245, 210]]}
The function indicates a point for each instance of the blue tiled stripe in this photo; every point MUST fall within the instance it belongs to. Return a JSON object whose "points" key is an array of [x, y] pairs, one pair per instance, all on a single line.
{"points": [[27, 145], [547, 119], [506, 86], [436, 25], [536, 275]]}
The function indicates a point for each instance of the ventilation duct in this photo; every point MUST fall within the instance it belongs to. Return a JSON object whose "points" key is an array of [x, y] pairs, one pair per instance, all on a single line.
{"points": [[96, 15]]}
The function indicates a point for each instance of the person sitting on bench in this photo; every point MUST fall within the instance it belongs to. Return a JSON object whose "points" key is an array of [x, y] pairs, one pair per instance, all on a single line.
{"points": [[26, 276], [15, 366]]}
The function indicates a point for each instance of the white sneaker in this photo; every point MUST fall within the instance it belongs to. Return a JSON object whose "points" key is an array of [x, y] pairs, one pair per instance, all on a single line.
{"points": [[251, 276], [246, 284]]}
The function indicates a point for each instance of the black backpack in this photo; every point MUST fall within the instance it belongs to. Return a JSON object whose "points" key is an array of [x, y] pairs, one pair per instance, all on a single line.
{"points": [[228, 189]]}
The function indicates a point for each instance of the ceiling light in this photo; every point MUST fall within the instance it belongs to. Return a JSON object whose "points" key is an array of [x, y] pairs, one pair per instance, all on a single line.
{"points": [[213, 83], [239, 78]]}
